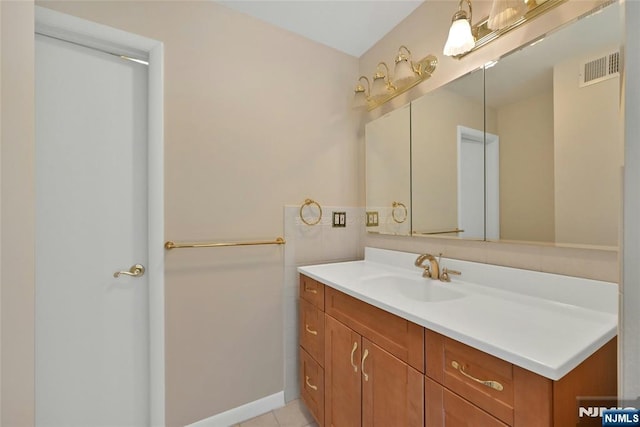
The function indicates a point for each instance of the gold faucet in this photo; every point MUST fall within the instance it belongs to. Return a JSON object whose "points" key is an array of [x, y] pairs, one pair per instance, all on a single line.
{"points": [[432, 270]]}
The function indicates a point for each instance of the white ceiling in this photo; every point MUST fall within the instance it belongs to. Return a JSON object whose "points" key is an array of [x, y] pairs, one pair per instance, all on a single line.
{"points": [[351, 26]]}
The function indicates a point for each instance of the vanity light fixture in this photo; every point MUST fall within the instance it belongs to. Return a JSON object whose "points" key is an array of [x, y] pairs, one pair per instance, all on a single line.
{"points": [[505, 16], [404, 72], [407, 74], [381, 86], [361, 94], [460, 38], [505, 12]]}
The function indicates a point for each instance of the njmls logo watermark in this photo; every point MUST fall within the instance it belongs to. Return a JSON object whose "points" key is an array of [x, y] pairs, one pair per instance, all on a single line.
{"points": [[621, 417], [608, 412]]}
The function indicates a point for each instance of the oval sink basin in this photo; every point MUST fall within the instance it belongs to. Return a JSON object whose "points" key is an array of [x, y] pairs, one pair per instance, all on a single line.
{"points": [[425, 290]]}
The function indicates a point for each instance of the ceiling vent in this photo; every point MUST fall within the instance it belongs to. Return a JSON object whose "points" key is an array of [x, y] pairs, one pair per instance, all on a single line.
{"points": [[600, 69]]}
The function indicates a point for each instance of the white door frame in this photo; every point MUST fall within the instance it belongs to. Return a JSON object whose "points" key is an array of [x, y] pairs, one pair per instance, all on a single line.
{"points": [[492, 186], [116, 41]]}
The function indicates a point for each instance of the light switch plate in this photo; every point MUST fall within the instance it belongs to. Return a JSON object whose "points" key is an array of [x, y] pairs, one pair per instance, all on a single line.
{"points": [[372, 219], [339, 219]]}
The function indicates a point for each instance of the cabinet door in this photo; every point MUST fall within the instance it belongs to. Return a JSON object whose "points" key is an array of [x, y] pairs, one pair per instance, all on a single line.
{"points": [[342, 375], [312, 386], [446, 409], [312, 331], [392, 391]]}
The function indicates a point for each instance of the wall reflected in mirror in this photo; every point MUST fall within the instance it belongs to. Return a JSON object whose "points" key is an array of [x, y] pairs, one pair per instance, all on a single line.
{"points": [[448, 160], [556, 109], [388, 173]]}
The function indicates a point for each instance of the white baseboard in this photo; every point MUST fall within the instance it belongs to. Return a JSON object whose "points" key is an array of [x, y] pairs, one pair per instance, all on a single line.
{"points": [[244, 412]]}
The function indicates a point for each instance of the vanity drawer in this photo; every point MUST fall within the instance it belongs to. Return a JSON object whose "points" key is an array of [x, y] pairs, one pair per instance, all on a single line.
{"points": [[312, 331], [312, 386], [401, 338], [313, 291], [480, 378], [444, 408]]}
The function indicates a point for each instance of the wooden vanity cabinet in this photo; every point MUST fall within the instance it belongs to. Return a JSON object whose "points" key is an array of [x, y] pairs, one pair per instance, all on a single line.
{"points": [[366, 385], [363, 366], [373, 362], [311, 338], [456, 394]]}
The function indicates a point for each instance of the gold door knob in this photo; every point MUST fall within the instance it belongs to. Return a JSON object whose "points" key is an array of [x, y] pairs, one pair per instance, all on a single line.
{"points": [[135, 271]]}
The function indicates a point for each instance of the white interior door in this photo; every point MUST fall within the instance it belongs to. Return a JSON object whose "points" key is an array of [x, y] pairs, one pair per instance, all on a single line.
{"points": [[471, 182], [92, 329]]}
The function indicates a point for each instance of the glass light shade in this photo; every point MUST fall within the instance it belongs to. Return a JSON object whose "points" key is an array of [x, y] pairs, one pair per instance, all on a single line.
{"points": [[460, 38], [505, 12], [359, 99], [403, 73], [379, 88]]}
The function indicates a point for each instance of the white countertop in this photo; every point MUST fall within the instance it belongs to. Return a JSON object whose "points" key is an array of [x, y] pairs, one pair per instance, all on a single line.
{"points": [[542, 322]]}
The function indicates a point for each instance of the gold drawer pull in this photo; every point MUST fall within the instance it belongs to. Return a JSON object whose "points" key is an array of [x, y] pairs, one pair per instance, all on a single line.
{"points": [[364, 357], [311, 331], [308, 289], [489, 383], [353, 350], [312, 387]]}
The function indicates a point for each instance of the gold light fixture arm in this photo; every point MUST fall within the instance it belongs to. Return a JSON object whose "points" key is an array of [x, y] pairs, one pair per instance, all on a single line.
{"points": [[384, 75], [461, 14], [360, 88]]}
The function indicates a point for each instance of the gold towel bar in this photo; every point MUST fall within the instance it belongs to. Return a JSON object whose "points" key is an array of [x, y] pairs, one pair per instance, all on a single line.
{"points": [[456, 230], [173, 245]]}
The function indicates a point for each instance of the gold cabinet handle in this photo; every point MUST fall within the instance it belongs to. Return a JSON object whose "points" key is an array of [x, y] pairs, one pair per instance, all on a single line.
{"points": [[312, 387], [353, 351], [311, 331], [135, 271], [364, 357], [312, 291], [489, 383]]}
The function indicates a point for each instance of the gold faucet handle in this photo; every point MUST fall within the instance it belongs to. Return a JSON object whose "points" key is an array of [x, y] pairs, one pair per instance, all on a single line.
{"points": [[444, 276], [427, 272]]}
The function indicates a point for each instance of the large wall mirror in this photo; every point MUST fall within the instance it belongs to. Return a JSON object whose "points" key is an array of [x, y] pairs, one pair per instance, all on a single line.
{"points": [[528, 149]]}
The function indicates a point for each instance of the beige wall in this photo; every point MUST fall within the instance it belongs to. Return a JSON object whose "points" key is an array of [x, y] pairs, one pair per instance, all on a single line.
{"points": [[255, 118], [588, 137], [424, 32], [526, 169], [17, 265]]}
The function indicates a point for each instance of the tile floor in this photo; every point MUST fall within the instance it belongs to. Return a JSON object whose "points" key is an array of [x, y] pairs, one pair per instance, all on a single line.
{"points": [[294, 414]]}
